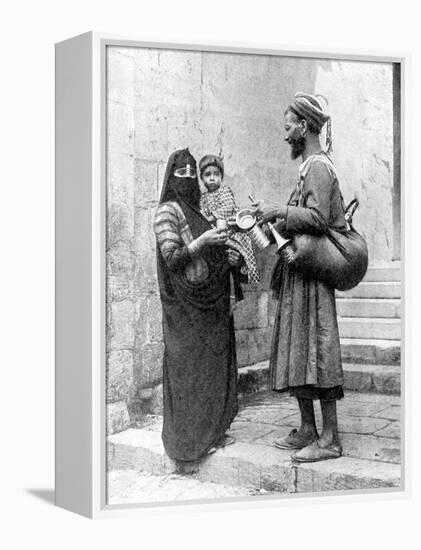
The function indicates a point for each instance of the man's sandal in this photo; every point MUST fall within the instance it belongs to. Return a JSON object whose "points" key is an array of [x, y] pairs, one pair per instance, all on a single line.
{"points": [[315, 453], [293, 441]]}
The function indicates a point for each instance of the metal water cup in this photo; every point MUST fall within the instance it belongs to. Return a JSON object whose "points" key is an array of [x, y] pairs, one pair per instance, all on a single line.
{"points": [[258, 236], [246, 220]]}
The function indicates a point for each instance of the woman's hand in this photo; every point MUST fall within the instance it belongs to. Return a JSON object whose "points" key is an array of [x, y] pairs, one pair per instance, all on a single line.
{"points": [[216, 237], [234, 257], [211, 218]]}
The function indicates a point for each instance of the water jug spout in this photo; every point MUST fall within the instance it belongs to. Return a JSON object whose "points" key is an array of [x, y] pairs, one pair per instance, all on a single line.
{"points": [[280, 241]]}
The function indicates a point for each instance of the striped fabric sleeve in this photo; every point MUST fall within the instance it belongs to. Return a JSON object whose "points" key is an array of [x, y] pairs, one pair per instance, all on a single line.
{"points": [[166, 228]]}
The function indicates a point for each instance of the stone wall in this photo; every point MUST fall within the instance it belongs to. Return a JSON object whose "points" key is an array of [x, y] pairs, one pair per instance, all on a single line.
{"points": [[233, 105], [361, 105]]}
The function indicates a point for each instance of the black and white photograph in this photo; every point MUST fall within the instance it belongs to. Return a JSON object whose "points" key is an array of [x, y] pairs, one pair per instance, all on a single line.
{"points": [[253, 275], [210, 306]]}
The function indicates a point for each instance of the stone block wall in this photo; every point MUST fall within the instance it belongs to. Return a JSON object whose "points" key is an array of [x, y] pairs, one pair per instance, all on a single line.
{"points": [[230, 104], [361, 105]]}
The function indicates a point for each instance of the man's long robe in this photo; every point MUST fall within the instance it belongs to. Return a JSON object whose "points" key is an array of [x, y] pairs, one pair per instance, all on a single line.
{"points": [[305, 345]]}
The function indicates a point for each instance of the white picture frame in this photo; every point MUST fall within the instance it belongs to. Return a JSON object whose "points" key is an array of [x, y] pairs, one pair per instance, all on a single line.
{"points": [[80, 258]]}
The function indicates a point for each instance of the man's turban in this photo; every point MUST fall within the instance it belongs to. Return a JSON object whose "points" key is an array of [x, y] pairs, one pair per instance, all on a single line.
{"points": [[308, 106]]}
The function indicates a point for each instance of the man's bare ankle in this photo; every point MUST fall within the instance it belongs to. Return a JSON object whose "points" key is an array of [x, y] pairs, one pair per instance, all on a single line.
{"points": [[308, 431]]}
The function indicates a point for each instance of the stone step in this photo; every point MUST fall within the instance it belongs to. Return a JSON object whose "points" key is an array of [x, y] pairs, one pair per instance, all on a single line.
{"points": [[358, 377], [384, 273], [253, 378], [384, 379], [371, 351], [360, 327], [368, 307], [134, 487], [246, 464], [373, 289]]}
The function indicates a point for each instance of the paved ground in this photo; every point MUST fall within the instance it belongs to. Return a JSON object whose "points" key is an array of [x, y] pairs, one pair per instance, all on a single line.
{"points": [[370, 433], [369, 423]]}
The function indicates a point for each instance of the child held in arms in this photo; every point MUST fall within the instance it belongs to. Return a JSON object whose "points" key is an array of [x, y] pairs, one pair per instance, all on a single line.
{"points": [[218, 203]]}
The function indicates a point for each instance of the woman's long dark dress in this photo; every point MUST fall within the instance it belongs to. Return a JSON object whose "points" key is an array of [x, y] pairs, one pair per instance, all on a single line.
{"points": [[306, 354], [199, 367]]}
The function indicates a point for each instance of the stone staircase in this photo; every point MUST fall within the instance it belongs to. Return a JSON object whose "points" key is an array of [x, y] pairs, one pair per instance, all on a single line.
{"points": [[369, 318], [370, 328]]}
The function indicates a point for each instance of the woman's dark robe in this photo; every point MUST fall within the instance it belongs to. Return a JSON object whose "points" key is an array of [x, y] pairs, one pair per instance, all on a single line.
{"points": [[199, 366]]}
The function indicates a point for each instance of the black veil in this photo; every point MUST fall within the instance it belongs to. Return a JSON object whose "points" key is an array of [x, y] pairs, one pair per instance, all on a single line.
{"points": [[184, 191]]}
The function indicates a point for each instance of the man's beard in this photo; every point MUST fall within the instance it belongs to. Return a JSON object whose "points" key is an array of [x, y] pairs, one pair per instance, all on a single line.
{"points": [[298, 146]]}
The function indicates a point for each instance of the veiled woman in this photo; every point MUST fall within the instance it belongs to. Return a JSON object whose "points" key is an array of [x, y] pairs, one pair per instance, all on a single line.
{"points": [[199, 366]]}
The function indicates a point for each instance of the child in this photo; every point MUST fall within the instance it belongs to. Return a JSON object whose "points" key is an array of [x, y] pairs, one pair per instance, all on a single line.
{"points": [[218, 203]]}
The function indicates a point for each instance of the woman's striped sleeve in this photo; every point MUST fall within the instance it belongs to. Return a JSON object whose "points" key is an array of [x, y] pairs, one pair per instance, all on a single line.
{"points": [[166, 228]]}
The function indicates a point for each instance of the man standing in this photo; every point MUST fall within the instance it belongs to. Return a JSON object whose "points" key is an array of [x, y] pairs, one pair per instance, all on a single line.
{"points": [[305, 353]]}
